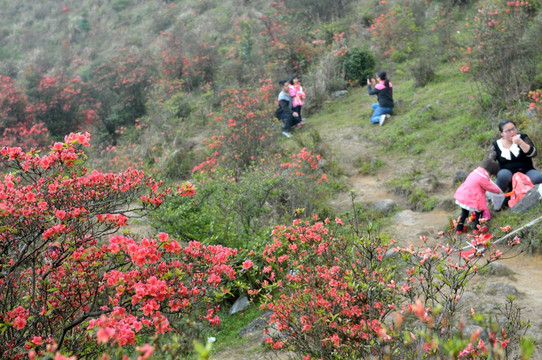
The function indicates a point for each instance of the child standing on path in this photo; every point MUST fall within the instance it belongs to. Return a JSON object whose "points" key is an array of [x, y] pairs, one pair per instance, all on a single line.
{"points": [[471, 195], [384, 91], [298, 96]]}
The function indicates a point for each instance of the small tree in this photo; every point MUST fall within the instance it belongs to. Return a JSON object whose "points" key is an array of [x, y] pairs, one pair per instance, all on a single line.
{"points": [[119, 88], [61, 103], [358, 66]]}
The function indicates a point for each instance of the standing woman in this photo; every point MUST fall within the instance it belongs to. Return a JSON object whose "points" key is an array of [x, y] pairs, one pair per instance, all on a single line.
{"points": [[383, 90], [514, 152]]}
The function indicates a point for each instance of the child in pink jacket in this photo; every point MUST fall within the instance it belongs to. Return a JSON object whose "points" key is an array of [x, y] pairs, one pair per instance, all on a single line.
{"points": [[471, 195], [298, 96]]}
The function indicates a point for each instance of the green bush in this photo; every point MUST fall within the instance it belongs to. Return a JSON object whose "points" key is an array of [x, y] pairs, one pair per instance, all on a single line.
{"points": [[119, 5], [83, 24], [238, 210], [358, 65], [423, 72]]}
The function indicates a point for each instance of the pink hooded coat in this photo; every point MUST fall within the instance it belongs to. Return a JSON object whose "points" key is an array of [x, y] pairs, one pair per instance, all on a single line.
{"points": [[298, 95], [471, 195]]}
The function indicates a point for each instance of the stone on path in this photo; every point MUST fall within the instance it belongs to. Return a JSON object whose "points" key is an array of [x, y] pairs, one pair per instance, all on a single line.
{"points": [[530, 200], [239, 305]]}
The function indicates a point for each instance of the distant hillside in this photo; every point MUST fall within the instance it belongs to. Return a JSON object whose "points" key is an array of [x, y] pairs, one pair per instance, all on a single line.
{"points": [[118, 68]]}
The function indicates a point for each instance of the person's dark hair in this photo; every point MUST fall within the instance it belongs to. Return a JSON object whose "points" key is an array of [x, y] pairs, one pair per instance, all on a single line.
{"points": [[282, 82], [491, 166], [382, 75], [292, 78], [504, 122]]}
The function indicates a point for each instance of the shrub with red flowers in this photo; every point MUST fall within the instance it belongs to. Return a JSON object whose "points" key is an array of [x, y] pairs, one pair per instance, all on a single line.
{"points": [[187, 57], [61, 103], [502, 51], [332, 293], [65, 286], [240, 209], [18, 125], [245, 128], [394, 32], [339, 292], [433, 284], [291, 51]]}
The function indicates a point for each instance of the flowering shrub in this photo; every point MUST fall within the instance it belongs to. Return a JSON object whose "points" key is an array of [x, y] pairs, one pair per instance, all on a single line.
{"points": [[394, 33], [435, 280], [17, 123], [61, 103], [186, 56], [500, 52], [65, 286], [332, 293], [245, 129], [336, 292], [536, 102], [287, 45], [239, 209]]}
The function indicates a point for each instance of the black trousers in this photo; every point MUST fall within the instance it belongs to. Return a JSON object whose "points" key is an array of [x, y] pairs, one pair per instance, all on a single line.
{"points": [[288, 121], [464, 214]]}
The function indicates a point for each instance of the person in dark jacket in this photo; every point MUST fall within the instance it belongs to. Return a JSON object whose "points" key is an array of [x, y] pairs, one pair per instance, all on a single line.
{"points": [[284, 111], [514, 152], [384, 91]]}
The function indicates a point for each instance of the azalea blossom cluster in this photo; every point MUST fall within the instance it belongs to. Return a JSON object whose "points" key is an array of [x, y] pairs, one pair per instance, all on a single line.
{"points": [[393, 30], [324, 301], [245, 131], [65, 285], [536, 103], [434, 295], [334, 293]]}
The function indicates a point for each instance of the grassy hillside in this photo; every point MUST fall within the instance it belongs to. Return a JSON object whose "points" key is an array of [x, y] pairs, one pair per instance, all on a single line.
{"points": [[186, 90], [187, 52]]}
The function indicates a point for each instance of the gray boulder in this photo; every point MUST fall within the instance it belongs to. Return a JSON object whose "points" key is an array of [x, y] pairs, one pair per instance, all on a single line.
{"points": [[467, 299], [498, 269], [530, 200], [239, 305], [385, 206], [460, 176], [500, 289], [339, 93]]}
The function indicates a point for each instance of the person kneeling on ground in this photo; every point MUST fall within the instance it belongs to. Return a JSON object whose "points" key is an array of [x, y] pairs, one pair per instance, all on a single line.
{"points": [[284, 111], [384, 91]]}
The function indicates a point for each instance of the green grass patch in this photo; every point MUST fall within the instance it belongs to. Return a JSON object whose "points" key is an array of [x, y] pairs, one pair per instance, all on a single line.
{"points": [[227, 334]]}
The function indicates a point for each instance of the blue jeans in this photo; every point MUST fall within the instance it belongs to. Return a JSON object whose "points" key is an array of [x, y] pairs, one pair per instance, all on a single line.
{"points": [[504, 178], [379, 111]]}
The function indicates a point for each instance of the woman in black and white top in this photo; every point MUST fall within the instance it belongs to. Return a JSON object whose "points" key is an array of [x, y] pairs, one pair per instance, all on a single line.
{"points": [[514, 152]]}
